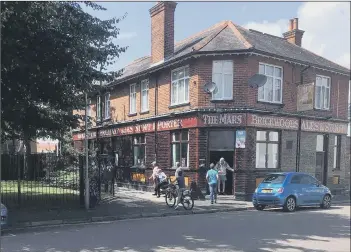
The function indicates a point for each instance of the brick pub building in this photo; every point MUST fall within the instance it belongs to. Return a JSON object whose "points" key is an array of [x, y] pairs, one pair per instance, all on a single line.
{"points": [[158, 108]]}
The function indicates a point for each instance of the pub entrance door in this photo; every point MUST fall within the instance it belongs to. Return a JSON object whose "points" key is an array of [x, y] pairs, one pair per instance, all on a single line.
{"points": [[222, 144], [321, 172]]}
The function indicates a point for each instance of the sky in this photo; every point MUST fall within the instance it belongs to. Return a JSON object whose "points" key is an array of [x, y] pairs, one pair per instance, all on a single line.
{"points": [[326, 24]]}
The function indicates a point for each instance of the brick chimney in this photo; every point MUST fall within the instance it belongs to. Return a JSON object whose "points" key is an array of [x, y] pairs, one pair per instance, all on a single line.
{"points": [[294, 35], [162, 31]]}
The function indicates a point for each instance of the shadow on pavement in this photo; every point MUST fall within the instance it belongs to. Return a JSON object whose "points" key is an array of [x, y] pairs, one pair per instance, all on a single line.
{"points": [[250, 231]]}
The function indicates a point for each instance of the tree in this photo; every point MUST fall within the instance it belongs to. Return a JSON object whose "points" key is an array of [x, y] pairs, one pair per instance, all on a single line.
{"points": [[51, 53]]}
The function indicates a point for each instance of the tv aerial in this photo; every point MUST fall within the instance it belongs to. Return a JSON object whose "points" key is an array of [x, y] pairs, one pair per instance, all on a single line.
{"points": [[257, 80], [210, 88]]}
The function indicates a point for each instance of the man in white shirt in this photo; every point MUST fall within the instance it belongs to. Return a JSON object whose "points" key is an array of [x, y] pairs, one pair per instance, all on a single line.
{"points": [[162, 181], [154, 176]]}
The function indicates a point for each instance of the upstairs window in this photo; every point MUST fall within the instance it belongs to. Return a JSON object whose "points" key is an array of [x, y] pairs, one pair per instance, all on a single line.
{"points": [[98, 108], [88, 108], [222, 76], [132, 99], [272, 90], [144, 95], [107, 106], [322, 93], [180, 86]]}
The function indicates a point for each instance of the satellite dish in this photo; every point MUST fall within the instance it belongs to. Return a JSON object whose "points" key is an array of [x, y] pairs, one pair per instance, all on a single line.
{"points": [[257, 80], [210, 87]]}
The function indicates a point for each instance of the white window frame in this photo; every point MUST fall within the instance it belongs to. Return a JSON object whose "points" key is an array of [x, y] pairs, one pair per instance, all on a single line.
{"points": [[139, 141], [98, 108], [175, 82], [132, 98], [268, 142], [144, 90], [180, 142], [262, 89], [220, 86], [322, 96]]}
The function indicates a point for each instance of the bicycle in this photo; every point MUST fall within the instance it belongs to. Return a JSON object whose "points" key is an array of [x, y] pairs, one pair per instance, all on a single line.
{"points": [[186, 200]]}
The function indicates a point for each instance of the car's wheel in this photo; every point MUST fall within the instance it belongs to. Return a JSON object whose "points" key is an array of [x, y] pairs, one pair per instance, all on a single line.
{"points": [[260, 207], [326, 203], [290, 204]]}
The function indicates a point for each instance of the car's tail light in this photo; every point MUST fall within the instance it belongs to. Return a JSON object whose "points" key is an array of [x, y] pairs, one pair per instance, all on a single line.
{"points": [[280, 190]]}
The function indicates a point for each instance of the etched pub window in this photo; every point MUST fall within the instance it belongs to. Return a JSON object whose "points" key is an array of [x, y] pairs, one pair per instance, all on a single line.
{"points": [[267, 149]]}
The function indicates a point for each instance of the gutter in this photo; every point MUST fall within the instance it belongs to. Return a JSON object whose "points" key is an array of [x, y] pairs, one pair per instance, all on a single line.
{"points": [[196, 54]]}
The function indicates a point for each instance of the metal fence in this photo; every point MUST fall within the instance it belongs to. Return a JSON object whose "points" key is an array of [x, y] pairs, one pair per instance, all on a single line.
{"points": [[39, 180]]}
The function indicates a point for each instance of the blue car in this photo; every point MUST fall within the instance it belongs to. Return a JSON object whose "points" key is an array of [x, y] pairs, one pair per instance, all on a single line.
{"points": [[3, 215], [290, 190]]}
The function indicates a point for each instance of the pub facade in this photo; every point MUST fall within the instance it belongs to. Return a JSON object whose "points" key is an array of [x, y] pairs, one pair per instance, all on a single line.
{"points": [[158, 109]]}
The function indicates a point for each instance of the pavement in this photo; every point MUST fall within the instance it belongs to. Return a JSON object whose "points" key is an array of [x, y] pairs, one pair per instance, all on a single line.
{"points": [[306, 230], [127, 204]]}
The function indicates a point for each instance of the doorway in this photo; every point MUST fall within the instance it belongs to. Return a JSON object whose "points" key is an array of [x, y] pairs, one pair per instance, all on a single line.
{"points": [[322, 158], [228, 156]]}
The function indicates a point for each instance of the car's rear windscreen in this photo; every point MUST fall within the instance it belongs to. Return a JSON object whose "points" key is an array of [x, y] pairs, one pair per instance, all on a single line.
{"points": [[274, 178]]}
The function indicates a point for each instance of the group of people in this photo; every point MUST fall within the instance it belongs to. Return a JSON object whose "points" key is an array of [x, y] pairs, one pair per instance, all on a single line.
{"points": [[215, 176], [160, 179]]}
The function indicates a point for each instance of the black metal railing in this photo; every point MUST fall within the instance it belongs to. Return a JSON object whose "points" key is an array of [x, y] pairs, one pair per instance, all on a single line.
{"points": [[39, 180]]}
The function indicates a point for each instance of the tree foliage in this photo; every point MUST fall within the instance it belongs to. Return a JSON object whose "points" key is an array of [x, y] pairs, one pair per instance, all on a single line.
{"points": [[51, 53]]}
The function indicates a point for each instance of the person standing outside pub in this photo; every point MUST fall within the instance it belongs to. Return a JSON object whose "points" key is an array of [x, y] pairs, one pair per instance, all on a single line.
{"points": [[212, 180], [154, 176], [180, 182]]}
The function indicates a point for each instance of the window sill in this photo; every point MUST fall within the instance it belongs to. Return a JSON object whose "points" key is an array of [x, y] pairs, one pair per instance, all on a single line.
{"points": [[132, 114], [324, 110], [266, 168], [219, 101], [272, 103], [179, 105], [336, 170], [144, 112]]}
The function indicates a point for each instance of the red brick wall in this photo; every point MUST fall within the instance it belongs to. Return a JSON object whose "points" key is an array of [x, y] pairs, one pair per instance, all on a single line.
{"points": [[291, 75]]}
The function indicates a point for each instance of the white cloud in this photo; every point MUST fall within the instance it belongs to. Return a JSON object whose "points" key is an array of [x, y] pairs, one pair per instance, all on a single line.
{"points": [[326, 26], [127, 35]]}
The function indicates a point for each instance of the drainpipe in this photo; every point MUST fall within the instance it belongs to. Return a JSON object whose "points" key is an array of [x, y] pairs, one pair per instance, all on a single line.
{"points": [[156, 112], [298, 137]]}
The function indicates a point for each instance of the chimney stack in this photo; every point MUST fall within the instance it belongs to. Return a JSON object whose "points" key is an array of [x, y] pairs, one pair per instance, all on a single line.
{"points": [[162, 31], [294, 35]]}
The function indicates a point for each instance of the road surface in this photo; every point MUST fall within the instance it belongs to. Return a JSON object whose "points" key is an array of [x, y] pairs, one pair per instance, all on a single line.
{"points": [[249, 231]]}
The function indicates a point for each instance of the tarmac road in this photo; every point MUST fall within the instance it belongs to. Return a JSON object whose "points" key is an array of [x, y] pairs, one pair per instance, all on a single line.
{"points": [[250, 231]]}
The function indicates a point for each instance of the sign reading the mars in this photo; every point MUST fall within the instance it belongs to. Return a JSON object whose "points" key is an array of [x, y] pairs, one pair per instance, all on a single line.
{"points": [[223, 119]]}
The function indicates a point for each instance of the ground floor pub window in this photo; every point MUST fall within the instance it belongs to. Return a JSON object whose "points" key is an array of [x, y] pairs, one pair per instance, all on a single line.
{"points": [[139, 150], [267, 149], [180, 148]]}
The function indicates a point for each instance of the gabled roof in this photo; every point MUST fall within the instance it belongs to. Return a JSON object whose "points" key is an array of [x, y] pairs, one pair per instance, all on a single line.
{"points": [[228, 37]]}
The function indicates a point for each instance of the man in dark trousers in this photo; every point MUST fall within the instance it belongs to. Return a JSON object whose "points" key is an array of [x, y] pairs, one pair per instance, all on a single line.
{"points": [[180, 182]]}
